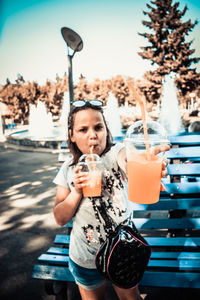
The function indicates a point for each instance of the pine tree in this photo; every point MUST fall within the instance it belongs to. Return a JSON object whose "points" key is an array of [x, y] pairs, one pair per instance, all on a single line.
{"points": [[168, 50]]}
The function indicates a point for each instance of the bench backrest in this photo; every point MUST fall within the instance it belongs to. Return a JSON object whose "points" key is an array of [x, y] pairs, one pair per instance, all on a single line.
{"points": [[185, 139], [184, 153]]}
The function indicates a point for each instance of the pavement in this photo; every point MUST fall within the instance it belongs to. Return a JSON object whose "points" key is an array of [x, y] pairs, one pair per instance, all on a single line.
{"points": [[28, 228], [27, 225]]}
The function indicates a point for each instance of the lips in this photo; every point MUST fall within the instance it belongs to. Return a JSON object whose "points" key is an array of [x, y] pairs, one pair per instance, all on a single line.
{"points": [[94, 147]]}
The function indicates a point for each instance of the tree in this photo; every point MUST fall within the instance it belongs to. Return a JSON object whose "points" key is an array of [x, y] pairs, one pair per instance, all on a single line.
{"points": [[168, 50]]}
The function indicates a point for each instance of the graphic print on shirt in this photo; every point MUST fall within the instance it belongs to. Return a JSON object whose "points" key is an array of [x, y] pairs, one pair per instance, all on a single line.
{"points": [[113, 202]]}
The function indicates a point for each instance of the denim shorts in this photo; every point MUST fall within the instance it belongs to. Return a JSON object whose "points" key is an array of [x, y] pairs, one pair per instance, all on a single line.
{"points": [[89, 279]]}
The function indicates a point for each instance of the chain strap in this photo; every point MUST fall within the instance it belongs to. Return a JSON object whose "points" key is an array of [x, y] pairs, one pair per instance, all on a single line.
{"points": [[110, 224]]}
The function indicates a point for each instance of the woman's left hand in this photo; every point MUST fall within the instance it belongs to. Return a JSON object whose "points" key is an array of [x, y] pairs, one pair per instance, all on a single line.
{"points": [[156, 150], [164, 167], [159, 149]]}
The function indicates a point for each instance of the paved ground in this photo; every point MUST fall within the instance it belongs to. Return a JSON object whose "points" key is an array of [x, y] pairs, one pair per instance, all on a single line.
{"points": [[26, 221], [28, 228]]}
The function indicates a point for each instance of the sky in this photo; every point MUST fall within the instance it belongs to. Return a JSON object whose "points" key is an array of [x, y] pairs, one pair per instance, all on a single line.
{"points": [[31, 43]]}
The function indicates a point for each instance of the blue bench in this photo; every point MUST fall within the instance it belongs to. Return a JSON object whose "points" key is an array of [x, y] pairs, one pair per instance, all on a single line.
{"points": [[184, 153], [184, 164], [190, 139], [11, 126], [171, 226], [175, 241]]}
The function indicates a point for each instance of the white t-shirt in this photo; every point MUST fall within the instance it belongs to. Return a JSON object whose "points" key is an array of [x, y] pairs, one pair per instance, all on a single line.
{"points": [[88, 230]]}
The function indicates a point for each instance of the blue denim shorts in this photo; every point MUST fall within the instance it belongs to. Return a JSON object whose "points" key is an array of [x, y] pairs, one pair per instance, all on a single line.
{"points": [[89, 279]]}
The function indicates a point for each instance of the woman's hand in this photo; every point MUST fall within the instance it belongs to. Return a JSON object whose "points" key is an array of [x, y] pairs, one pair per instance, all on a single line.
{"points": [[67, 200], [80, 179], [164, 167], [158, 149]]}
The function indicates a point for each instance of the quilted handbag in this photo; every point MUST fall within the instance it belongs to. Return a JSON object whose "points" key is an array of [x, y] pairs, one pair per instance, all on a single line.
{"points": [[124, 255]]}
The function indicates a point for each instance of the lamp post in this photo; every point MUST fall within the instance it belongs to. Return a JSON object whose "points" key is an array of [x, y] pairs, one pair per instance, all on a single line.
{"points": [[75, 43]]}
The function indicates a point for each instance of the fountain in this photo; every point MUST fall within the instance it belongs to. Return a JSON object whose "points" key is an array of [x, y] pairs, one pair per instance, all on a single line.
{"points": [[170, 116], [112, 116], [42, 132], [40, 121], [64, 114]]}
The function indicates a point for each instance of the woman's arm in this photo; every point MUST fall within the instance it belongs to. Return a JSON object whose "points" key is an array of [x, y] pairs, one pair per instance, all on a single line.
{"points": [[65, 205], [121, 160], [67, 201]]}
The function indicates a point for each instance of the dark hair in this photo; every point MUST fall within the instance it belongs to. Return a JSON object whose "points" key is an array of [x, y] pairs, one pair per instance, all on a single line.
{"points": [[72, 146], [194, 126]]}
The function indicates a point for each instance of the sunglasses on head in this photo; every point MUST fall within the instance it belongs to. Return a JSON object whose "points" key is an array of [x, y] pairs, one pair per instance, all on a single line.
{"points": [[82, 103]]}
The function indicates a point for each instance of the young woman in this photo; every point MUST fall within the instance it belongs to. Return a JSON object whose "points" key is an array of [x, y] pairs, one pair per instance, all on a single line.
{"points": [[87, 128]]}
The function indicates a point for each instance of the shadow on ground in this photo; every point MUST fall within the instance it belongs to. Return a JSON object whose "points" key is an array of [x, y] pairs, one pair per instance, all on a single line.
{"points": [[26, 220]]}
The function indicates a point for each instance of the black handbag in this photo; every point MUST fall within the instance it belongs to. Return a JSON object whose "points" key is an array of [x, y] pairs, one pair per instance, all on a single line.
{"points": [[124, 255]]}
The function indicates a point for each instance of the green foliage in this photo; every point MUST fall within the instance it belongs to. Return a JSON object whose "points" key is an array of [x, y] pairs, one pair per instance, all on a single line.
{"points": [[167, 49], [20, 95]]}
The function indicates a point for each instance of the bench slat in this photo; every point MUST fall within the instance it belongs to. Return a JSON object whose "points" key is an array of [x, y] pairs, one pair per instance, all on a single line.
{"points": [[171, 279], [183, 152], [173, 241], [175, 255], [181, 188], [56, 250], [55, 259], [52, 273], [62, 239], [164, 279], [184, 169], [178, 264], [185, 140], [182, 263], [168, 204], [179, 223], [63, 259], [154, 241]]}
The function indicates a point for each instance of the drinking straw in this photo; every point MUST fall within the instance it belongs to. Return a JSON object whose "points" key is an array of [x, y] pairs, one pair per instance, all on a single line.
{"points": [[143, 112], [91, 152]]}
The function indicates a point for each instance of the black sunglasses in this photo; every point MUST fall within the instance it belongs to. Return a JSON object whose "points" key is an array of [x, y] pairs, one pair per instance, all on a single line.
{"points": [[82, 103]]}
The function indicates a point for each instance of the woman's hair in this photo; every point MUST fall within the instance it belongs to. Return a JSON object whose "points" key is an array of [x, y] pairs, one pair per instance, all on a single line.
{"points": [[72, 146], [194, 127]]}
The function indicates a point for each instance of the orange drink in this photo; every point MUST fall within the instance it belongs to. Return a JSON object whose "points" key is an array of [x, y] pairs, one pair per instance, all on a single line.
{"points": [[143, 166], [91, 164], [143, 169], [93, 187], [144, 177]]}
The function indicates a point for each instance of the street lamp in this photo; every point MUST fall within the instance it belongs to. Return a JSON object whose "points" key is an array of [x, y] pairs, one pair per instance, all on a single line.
{"points": [[73, 41]]}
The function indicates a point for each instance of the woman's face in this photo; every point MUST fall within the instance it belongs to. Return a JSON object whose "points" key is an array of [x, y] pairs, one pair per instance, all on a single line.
{"points": [[89, 130]]}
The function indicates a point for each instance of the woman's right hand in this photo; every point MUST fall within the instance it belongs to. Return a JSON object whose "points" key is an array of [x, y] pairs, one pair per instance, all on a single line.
{"points": [[80, 179]]}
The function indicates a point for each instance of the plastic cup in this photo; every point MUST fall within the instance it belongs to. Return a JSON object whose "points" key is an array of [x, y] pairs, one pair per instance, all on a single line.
{"points": [[144, 167], [91, 163]]}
